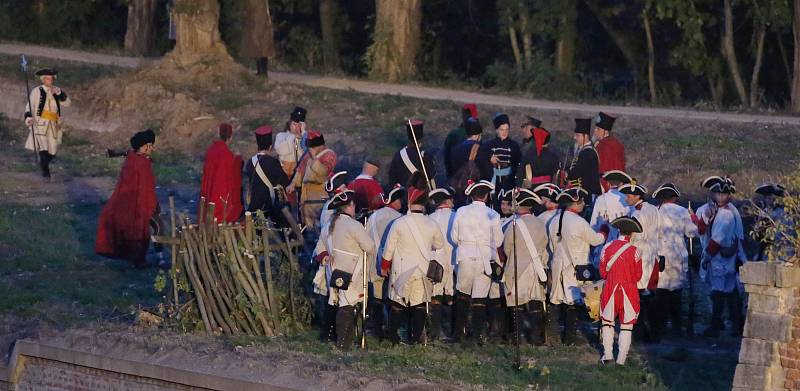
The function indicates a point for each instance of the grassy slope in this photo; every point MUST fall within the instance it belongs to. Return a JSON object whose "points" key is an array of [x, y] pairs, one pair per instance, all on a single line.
{"points": [[48, 270]]}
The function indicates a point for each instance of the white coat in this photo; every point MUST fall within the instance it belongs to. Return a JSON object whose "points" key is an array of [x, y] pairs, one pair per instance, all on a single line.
{"points": [[675, 224]]}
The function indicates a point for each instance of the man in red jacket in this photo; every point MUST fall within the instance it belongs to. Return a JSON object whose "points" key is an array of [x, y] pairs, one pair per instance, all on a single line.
{"points": [[609, 148], [367, 189], [222, 178], [123, 230]]}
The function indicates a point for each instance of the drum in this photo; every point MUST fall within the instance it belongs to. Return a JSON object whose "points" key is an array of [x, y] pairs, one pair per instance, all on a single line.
{"points": [[591, 297]]}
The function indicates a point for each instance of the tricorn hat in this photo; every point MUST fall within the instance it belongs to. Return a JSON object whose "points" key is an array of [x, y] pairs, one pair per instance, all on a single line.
{"points": [[46, 72], [633, 188], [393, 194], [336, 181], [547, 190], [573, 194], [617, 176], [472, 186], [627, 224], [340, 198], [772, 189], [527, 198], [666, 191], [441, 194]]}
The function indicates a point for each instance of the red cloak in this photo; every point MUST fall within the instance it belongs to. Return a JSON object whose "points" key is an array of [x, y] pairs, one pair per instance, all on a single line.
{"points": [[367, 193], [222, 182], [611, 153], [123, 230]]}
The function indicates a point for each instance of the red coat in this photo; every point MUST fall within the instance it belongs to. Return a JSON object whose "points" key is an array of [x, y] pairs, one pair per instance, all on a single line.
{"points": [[123, 230], [222, 182], [612, 156], [620, 297], [367, 193]]}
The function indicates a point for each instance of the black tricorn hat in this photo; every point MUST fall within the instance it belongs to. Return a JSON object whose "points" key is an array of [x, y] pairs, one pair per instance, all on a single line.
{"points": [[505, 195], [772, 189], [573, 194], [548, 190], [633, 188], [627, 224], [335, 181], [298, 114], [583, 125], [393, 194], [141, 138], [617, 176], [711, 181], [527, 198], [441, 194], [341, 198], [604, 121], [482, 184], [666, 191], [46, 72]]}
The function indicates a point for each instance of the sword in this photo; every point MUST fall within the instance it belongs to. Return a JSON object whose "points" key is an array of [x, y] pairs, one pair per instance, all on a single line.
{"points": [[364, 272]]}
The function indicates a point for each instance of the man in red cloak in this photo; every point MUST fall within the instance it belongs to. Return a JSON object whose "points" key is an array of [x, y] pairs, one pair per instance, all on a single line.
{"points": [[367, 190], [222, 178], [609, 148], [123, 230]]}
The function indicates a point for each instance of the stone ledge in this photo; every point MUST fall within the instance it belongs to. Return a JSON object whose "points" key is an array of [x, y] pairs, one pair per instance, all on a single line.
{"points": [[758, 377], [758, 352], [787, 276], [25, 348], [766, 326], [768, 290], [757, 273], [768, 303]]}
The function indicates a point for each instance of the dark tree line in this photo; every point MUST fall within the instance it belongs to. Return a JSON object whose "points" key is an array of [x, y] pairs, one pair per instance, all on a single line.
{"points": [[734, 53]]}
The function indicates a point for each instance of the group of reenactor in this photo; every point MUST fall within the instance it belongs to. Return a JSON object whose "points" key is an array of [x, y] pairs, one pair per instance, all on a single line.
{"points": [[513, 244]]}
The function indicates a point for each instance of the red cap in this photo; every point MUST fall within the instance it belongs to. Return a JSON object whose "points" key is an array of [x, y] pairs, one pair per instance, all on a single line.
{"points": [[473, 109], [263, 130], [225, 130]]}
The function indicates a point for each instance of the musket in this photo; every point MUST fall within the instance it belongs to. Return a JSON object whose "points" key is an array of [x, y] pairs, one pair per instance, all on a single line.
{"points": [[514, 209], [112, 153], [364, 272], [23, 68], [690, 319], [419, 153]]}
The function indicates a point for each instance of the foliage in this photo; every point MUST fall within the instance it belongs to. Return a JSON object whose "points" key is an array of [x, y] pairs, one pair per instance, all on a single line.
{"points": [[776, 222]]}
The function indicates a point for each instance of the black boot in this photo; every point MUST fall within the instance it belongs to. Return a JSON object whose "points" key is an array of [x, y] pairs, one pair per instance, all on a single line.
{"points": [[675, 305], [717, 304], [418, 317], [436, 318], [398, 316], [261, 66], [497, 316], [44, 162], [479, 312], [537, 319], [460, 313], [570, 325], [327, 327], [553, 327], [735, 311], [376, 317], [345, 327]]}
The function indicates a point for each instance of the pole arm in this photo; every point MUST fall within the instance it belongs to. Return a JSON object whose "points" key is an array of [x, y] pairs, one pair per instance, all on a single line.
{"points": [[419, 153]]}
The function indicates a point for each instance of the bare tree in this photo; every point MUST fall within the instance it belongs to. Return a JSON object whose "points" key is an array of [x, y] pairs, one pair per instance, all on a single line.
{"points": [[140, 32], [729, 52], [328, 13], [796, 67], [197, 30]]}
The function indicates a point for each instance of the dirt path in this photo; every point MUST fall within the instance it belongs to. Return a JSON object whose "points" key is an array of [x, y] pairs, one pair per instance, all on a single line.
{"points": [[423, 92]]}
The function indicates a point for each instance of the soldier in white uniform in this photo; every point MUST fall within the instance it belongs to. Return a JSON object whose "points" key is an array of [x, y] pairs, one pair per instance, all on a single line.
{"points": [[608, 206], [722, 246], [547, 193], [570, 237], [378, 225], [477, 236], [290, 144], [44, 118], [442, 298], [525, 246], [675, 225], [498, 312], [406, 259], [326, 313], [341, 246], [648, 242]]}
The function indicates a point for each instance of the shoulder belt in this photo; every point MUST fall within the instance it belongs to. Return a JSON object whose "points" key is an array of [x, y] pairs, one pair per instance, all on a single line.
{"points": [[407, 161], [532, 251], [617, 255], [263, 176]]}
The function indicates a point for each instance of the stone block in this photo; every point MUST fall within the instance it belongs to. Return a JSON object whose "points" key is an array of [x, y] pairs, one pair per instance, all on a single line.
{"points": [[758, 352], [767, 303], [770, 327], [758, 273], [768, 290], [751, 377], [787, 276]]}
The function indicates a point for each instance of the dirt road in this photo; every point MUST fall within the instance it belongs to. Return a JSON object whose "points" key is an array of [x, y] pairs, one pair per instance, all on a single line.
{"points": [[416, 91]]}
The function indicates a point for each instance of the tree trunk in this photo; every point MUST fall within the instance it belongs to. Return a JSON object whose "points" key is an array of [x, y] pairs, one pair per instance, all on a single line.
{"points": [[729, 51], [512, 36], [196, 24], [396, 40], [140, 31], [651, 58], [621, 38], [796, 68], [527, 44], [328, 12], [257, 36], [565, 43], [784, 57], [761, 32], [717, 88]]}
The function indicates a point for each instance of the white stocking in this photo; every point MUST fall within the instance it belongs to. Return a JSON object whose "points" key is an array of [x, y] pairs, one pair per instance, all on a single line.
{"points": [[624, 346], [607, 335]]}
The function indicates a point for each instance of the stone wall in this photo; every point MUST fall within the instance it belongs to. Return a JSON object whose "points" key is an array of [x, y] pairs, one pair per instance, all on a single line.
{"points": [[769, 358]]}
